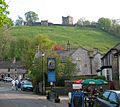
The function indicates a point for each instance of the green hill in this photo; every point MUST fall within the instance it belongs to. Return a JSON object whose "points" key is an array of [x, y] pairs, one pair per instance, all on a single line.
{"points": [[85, 37]]}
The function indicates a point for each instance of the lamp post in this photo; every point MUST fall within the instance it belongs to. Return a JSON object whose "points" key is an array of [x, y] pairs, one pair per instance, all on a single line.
{"points": [[40, 54], [43, 81]]}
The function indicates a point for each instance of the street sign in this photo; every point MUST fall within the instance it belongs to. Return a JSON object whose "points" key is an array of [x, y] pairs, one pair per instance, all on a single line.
{"points": [[51, 76]]}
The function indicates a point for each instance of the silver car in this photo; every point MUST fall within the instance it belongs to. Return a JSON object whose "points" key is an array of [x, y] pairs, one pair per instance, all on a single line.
{"points": [[8, 79], [109, 98]]}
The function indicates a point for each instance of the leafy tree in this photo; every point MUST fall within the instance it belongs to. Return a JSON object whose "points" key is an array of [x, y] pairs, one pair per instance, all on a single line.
{"points": [[19, 21], [105, 23], [5, 39], [18, 47], [58, 48], [31, 17], [83, 22], [80, 22], [43, 42], [66, 68], [4, 20], [86, 23]]}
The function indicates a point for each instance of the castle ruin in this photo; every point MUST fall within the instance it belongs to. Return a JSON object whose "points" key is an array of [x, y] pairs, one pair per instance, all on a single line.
{"points": [[67, 20]]}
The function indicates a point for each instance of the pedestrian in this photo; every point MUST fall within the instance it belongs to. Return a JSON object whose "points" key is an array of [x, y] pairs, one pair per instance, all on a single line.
{"points": [[94, 92], [111, 85], [101, 89], [16, 84], [13, 84]]}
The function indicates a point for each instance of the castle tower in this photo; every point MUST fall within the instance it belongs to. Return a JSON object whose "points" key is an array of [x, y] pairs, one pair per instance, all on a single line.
{"points": [[67, 20]]}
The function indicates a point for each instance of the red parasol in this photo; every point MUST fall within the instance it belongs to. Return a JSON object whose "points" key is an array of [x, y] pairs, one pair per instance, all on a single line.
{"points": [[77, 81]]}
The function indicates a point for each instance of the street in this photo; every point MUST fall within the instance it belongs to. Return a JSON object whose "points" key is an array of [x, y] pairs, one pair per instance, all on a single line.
{"points": [[10, 98]]}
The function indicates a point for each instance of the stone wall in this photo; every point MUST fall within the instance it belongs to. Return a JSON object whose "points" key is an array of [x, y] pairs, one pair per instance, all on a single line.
{"points": [[82, 60]]}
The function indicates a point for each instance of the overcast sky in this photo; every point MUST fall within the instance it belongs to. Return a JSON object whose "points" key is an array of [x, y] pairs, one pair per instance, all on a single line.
{"points": [[53, 10]]}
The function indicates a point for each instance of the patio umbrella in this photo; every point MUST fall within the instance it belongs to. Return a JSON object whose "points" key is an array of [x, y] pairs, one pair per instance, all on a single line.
{"points": [[91, 82], [103, 81]]}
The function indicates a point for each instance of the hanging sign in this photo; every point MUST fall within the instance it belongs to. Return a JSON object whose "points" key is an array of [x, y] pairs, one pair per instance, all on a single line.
{"points": [[51, 62]]}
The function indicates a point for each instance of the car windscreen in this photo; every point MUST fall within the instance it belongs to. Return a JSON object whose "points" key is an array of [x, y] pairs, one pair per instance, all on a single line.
{"points": [[27, 83]]}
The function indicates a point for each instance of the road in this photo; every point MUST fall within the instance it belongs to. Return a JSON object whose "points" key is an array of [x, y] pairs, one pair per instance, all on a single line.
{"points": [[9, 98]]}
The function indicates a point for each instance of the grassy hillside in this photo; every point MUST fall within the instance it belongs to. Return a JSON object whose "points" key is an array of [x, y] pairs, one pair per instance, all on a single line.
{"points": [[85, 37]]}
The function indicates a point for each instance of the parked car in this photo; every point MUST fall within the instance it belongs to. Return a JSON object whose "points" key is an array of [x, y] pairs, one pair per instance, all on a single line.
{"points": [[7, 79], [26, 85], [109, 98]]}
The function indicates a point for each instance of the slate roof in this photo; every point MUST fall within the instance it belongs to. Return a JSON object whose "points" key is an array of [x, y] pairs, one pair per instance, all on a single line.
{"points": [[10, 64]]}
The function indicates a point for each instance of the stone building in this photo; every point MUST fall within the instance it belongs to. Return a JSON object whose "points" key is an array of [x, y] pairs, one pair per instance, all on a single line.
{"points": [[11, 69], [67, 20], [85, 64], [44, 22]]}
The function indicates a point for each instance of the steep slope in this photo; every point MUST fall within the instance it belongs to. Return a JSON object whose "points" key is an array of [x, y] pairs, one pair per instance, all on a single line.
{"points": [[85, 37]]}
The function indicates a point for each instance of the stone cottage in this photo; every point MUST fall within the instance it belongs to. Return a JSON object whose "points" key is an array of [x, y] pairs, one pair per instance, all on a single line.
{"points": [[85, 64]]}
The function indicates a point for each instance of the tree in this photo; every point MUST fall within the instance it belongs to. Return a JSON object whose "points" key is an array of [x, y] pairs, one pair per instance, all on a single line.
{"points": [[18, 47], [80, 22], [19, 21], [58, 48], [86, 23], [105, 23], [65, 68], [43, 42], [31, 17], [5, 39], [3, 13], [83, 22]]}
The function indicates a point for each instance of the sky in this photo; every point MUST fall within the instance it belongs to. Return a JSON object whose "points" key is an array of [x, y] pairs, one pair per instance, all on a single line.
{"points": [[53, 10]]}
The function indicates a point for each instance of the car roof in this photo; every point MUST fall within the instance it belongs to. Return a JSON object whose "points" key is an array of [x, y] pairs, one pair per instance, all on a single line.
{"points": [[116, 91], [7, 77]]}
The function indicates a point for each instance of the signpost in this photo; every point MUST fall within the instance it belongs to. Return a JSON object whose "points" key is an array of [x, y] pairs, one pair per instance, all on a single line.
{"points": [[51, 63]]}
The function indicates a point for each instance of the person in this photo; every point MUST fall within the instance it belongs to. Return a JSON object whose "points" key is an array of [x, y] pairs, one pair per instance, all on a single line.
{"points": [[111, 85], [101, 89], [94, 92], [13, 84], [16, 84]]}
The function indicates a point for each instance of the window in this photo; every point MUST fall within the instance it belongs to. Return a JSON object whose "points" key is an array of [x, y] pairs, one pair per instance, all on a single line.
{"points": [[108, 74], [113, 97], [106, 94]]}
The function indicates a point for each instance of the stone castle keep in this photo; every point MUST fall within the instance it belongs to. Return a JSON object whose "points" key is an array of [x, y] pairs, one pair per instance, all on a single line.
{"points": [[67, 20]]}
